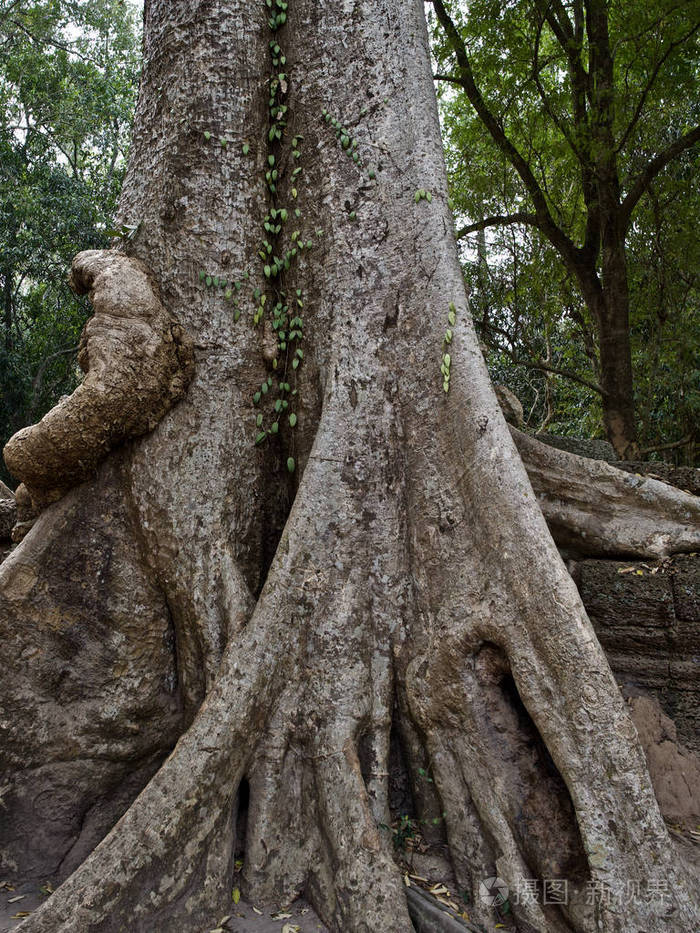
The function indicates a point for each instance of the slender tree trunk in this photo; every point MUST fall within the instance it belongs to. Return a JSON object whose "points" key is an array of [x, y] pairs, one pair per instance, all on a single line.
{"points": [[608, 302], [383, 566], [7, 307], [612, 312], [616, 379]]}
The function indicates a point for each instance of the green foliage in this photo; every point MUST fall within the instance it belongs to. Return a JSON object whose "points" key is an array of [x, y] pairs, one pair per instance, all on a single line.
{"points": [[68, 73], [526, 302]]}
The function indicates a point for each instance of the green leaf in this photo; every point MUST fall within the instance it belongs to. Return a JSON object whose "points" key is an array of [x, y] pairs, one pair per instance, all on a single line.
{"points": [[291, 465], [246, 148], [258, 440], [292, 420]]}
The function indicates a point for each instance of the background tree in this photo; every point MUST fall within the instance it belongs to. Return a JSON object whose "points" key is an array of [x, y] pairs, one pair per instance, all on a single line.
{"points": [[68, 74], [586, 105], [285, 528]]}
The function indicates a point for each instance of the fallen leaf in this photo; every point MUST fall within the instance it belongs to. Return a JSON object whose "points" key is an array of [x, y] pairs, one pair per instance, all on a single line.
{"points": [[281, 916], [236, 895], [407, 881], [19, 897], [258, 912], [439, 889], [291, 928], [20, 914], [419, 878]]}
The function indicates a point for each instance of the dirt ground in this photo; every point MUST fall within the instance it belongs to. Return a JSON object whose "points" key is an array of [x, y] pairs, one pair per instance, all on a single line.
{"points": [[19, 900]]}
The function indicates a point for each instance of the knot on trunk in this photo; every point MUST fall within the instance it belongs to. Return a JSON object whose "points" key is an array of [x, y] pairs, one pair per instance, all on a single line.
{"points": [[137, 361]]}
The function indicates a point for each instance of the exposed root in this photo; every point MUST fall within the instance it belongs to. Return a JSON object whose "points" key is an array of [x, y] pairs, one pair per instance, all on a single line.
{"points": [[593, 509], [367, 893], [171, 855], [137, 362]]}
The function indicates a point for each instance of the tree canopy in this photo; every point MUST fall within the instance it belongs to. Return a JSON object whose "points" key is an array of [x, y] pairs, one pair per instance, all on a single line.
{"points": [[571, 133]]}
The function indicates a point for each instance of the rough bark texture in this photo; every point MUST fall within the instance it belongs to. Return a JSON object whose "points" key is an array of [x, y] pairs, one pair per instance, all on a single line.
{"points": [[592, 508], [137, 363], [402, 577]]}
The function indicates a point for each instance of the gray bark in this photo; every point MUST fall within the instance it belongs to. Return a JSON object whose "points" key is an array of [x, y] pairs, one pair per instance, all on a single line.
{"points": [[404, 570]]}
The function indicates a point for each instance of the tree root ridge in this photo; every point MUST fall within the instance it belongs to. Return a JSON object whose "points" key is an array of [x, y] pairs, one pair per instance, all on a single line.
{"points": [[596, 510], [302, 707], [137, 361]]}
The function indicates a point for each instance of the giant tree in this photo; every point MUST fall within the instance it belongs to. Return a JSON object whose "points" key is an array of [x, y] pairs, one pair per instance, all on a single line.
{"points": [[583, 105], [285, 528]]}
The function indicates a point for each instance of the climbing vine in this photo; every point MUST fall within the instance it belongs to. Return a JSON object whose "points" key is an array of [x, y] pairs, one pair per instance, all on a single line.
{"points": [[277, 307], [446, 365]]}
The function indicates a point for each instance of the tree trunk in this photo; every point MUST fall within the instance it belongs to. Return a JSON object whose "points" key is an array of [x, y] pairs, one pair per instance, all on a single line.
{"points": [[608, 303], [7, 307], [616, 361], [381, 568]]}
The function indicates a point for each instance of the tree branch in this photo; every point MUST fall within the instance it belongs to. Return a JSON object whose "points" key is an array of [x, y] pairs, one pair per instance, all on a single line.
{"points": [[498, 220], [545, 220], [556, 371], [683, 442], [652, 169], [652, 78]]}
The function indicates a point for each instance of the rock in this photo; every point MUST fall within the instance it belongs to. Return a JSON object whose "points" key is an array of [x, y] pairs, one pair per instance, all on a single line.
{"points": [[674, 771], [8, 516], [592, 448], [510, 406], [687, 478], [647, 617]]}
